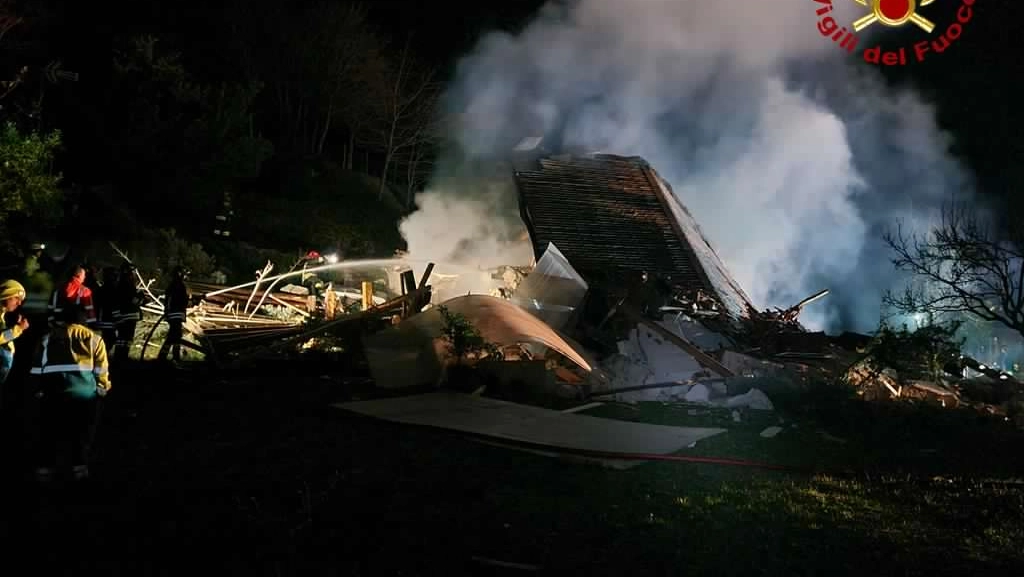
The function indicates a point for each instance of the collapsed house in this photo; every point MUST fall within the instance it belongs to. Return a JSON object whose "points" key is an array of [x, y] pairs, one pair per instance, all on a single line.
{"points": [[662, 309], [631, 296], [635, 285], [626, 300]]}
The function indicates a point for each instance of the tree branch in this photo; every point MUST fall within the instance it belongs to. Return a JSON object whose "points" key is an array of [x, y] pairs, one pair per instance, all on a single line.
{"points": [[963, 267]]}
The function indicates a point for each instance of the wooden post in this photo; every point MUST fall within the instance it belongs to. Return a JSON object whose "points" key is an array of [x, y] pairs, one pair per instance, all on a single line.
{"points": [[408, 282], [330, 303], [367, 295], [426, 276], [408, 288]]}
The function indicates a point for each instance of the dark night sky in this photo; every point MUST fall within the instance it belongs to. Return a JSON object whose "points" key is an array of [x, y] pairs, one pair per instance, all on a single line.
{"points": [[444, 33]]}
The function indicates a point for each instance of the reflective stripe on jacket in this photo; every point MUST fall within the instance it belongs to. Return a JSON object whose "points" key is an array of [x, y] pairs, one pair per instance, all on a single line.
{"points": [[73, 291], [79, 355], [8, 334]]}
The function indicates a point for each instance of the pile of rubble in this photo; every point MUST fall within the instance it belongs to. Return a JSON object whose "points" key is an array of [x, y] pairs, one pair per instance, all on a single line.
{"points": [[629, 304], [964, 383]]}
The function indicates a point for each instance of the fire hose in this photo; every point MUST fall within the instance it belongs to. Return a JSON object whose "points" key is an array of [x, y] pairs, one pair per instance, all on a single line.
{"points": [[145, 343]]}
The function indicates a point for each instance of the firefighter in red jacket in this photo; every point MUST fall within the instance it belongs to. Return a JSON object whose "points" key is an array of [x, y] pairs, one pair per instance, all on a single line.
{"points": [[74, 291]]}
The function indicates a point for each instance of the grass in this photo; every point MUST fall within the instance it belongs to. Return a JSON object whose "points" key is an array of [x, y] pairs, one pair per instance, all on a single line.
{"points": [[257, 471]]}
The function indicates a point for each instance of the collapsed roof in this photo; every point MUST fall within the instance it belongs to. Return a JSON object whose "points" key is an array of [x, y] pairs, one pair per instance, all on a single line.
{"points": [[615, 217]]}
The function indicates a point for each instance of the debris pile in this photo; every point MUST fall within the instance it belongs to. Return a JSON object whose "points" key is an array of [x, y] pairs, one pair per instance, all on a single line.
{"points": [[630, 303], [925, 366]]}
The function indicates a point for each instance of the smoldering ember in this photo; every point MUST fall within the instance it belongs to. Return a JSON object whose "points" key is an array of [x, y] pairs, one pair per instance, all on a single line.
{"points": [[595, 287]]}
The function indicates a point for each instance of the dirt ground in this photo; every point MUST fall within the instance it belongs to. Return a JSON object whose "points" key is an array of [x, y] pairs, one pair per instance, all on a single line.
{"points": [[252, 472]]}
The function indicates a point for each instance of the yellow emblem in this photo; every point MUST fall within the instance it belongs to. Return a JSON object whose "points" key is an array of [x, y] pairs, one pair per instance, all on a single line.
{"points": [[893, 13]]}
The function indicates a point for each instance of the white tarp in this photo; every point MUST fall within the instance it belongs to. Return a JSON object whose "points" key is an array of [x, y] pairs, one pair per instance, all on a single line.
{"points": [[553, 290]]}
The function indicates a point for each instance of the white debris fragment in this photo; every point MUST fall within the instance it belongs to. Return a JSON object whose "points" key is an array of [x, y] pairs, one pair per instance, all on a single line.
{"points": [[770, 432], [752, 399], [698, 394], [719, 389]]}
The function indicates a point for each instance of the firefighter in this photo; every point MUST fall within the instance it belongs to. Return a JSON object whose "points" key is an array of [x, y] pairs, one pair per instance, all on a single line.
{"points": [[127, 312], [310, 280], [175, 307], [74, 291], [37, 279], [33, 262], [12, 325], [104, 297], [72, 371]]}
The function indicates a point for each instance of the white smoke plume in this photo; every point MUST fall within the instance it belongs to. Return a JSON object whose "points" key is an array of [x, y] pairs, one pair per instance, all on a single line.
{"points": [[791, 153]]}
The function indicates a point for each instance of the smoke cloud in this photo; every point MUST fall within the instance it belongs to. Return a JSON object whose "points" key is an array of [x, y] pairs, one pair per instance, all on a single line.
{"points": [[792, 154]]}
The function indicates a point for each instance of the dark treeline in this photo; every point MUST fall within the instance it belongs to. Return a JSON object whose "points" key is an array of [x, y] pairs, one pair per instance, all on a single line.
{"points": [[318, 125]]}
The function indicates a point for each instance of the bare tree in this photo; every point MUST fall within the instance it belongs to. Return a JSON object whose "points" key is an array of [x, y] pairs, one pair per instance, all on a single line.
{"points": [[417, 161], [965, 265], [403, 108]]}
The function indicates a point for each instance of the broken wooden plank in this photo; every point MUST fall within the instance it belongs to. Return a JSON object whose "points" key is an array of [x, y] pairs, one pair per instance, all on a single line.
{"points": [[425, 277]]}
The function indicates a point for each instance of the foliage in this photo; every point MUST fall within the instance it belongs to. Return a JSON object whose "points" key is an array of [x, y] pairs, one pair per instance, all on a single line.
{"points": [[402, 113], [155, 98], [28, 187], [160, 251], [970, 263], [323, 207], [464, 340], [310, 57], [221, 140], [922, 353], [184, 142], [238, 260]]}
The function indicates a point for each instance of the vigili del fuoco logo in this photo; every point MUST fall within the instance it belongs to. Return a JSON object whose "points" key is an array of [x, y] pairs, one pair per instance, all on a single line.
{"points": [[895, 14]]}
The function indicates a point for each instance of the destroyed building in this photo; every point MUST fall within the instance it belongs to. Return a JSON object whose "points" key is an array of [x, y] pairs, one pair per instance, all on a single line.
{"points": [[626, 299]]}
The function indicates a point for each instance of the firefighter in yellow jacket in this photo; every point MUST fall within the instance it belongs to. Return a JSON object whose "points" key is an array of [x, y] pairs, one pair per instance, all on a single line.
{"points": [[71, 363], [12, 295]]}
